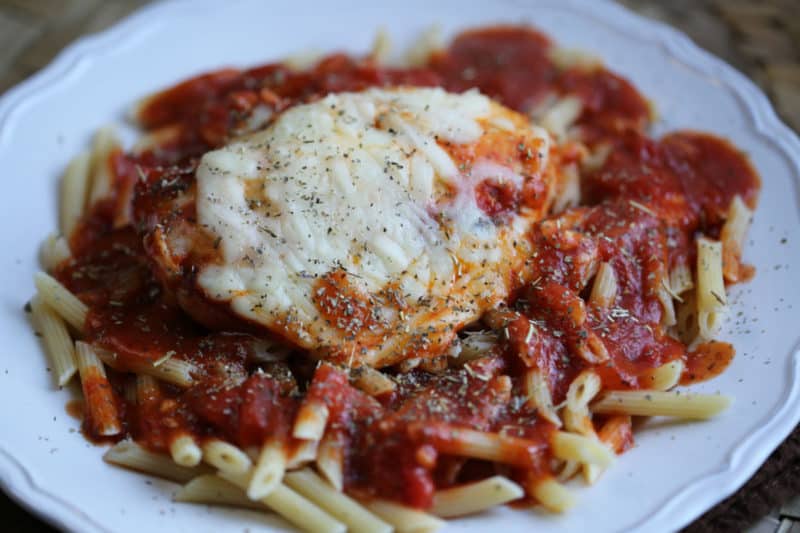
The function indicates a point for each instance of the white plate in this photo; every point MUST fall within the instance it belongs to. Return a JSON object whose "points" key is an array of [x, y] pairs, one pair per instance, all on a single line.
{"points": [[676, 471]]}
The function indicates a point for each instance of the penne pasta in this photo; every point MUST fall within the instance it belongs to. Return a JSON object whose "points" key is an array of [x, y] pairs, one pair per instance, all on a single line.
{"points": [[213, 490], [687, 328], [475, 444], [292, 506], [226, 457], [596, 158], [496, 447], [475, 497], [131, 455], [268, 471], [576, 413], [357, 517], [538, 396], [102, 173], [680, 280], [99, 402], [381, 47], [569, 446], [583, 388], [175, 371], [604, 289], [57, 342], [665, 296], [568, 470], [74, 191], [301, 512], [711, 298], [476, 344], [428, 42], [303, 59], [577, 418], [566, 58], [591, 473], [405, 519], [310, 421], [330, 460], [616, 435], [53, 252], [373, 382], [157, 138], [593, 350], [561, 116], [63, 302], [732, 237], [185, 451], [569, 193], [663, 377], [659, 403], [553, 496], [302, 454]]}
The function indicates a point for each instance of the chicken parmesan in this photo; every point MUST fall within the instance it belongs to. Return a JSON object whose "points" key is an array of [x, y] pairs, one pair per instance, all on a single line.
{"points": [[367, 228], [367, 297]]}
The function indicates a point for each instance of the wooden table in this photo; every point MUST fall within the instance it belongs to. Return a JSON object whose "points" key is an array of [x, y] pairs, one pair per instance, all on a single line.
{"points": [[760, 38]]}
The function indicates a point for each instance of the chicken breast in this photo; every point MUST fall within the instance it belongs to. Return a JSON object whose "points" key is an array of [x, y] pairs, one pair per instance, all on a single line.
{"points": [[366, 228]]}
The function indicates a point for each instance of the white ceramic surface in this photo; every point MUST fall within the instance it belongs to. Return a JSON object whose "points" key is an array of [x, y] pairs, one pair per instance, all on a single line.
{"points": [[675, 472]]}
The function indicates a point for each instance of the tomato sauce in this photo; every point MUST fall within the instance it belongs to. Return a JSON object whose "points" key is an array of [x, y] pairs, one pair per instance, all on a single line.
{"points": [[510, 64], [75, 409], [642, 208], [687, 178], [708, 360]]}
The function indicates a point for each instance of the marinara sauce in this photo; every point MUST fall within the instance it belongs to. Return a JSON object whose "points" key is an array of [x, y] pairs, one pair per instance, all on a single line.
{"points": [[641, 208]]}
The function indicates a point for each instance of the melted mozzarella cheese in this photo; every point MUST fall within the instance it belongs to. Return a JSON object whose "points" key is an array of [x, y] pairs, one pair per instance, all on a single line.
{"points": [[359, 193]]}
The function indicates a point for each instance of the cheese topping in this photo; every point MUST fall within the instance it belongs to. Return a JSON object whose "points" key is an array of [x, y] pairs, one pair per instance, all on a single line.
{"points": [[351, 226]]}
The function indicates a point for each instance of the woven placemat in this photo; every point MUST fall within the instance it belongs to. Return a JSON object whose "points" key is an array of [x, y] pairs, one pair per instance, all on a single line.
{"points": [[760, 38], [775, 483]]}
